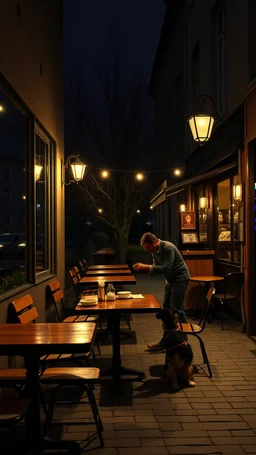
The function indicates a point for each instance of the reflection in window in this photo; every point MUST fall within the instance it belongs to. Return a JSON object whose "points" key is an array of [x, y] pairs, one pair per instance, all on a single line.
{"points": [[224, 220], [42, 208], [12, 165]]}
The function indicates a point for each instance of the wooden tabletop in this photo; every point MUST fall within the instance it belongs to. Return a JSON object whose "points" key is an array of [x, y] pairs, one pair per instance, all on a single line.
{"points": [[46, 337], [114, 279], [108, 267], [106, 251], [104, 271], [207, 278], [148, 304]]}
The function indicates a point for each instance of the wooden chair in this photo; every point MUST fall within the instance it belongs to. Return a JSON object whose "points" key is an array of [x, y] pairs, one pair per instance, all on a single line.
{"points": [[196, 330], [57, 297], [66, 377], [82, 268], [12, 410], [77, 289], [232, 286], [24, 312]]}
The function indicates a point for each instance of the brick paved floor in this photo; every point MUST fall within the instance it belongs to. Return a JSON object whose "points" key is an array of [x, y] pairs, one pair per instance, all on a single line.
{"points": [[218, 416]]}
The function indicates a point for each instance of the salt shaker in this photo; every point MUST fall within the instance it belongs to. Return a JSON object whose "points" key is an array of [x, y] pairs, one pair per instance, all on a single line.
{"points": [[111, 293]]}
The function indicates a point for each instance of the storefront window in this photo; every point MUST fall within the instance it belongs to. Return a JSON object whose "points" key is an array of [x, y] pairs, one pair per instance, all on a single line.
{"points": [[228, 217], [26, 218]]}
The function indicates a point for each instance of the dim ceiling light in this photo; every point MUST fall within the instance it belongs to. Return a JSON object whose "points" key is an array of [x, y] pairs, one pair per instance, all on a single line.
{"points": [[177, 172], [139, 176], [100, 210], [105, 174]]}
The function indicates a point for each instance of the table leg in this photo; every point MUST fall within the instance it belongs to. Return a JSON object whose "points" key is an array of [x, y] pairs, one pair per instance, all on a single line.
{"points": [[117, 370], [32, 364]]}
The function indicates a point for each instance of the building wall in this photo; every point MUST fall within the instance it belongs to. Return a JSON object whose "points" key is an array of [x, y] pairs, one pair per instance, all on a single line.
{"points": [[31, 62]]}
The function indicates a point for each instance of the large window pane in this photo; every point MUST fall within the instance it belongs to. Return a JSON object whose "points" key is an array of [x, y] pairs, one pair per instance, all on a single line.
{"points": [[224, 221], [13, 198]]}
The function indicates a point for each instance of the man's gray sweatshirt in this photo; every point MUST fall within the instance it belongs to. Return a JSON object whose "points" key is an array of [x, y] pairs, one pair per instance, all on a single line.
{"points": [[169, 262]]}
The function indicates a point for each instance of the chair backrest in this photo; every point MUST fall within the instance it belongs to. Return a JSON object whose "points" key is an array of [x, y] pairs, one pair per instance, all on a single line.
{"points": [[233, 283], [77, 271], [82, 268], [206, 307], [75, 282], [23, 310], [57, 296], [85, 263]]}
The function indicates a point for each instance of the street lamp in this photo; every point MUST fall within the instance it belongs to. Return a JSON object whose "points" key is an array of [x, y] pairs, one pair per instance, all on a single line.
{"points": [[201, 124], [77, 168]]}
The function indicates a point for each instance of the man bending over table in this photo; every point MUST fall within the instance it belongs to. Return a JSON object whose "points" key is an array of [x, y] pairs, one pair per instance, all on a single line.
{"points": [[168, 261]]}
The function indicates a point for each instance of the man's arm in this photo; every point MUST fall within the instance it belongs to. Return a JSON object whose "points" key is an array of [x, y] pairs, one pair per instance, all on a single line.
{"points": [[142, 267]]}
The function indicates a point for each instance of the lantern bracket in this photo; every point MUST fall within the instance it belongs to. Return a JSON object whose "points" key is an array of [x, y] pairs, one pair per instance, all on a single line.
{"points": [[68, 163]]}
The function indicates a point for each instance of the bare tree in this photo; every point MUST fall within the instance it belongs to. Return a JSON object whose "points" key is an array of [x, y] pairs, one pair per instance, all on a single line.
{"points": [[112, 130]]}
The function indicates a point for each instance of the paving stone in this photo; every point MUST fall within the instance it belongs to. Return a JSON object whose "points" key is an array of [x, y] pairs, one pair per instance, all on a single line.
{"points": [[144, 451], [195, 450]]}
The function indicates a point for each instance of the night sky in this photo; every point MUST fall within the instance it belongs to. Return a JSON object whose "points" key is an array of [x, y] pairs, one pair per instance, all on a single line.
{"points": [[88, 25]]}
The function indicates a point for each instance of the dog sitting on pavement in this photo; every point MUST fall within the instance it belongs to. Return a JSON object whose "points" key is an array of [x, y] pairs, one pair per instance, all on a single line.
{"points": [[179, 354]]}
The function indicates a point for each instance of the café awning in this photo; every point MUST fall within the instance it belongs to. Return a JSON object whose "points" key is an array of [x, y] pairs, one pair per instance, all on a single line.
{"points": [[180, 186]]}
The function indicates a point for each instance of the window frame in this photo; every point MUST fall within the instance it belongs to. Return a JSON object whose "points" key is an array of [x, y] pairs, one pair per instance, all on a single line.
{"points": [[32, 124]]}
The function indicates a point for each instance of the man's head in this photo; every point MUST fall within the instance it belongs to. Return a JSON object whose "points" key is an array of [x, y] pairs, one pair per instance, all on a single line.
{"points": [[149, 242], [169, 318]]}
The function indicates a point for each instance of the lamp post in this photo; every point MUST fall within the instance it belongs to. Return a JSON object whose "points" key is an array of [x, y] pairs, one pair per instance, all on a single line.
{"points": [[201, 124]]}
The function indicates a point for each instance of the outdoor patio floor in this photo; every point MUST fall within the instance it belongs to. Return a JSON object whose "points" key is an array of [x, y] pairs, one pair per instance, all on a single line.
{"points": [[218, 416]]}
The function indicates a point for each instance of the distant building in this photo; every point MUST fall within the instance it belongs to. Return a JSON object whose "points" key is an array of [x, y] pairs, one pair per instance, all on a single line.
{"points": [[208, 47]]}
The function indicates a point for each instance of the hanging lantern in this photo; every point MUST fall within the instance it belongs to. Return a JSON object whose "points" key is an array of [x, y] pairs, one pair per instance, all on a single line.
{"points": [[78, 169], [201, 127]]}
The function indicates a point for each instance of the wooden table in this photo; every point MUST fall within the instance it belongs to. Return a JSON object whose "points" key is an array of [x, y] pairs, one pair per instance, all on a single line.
{"points": [[113, 279], [108, 267], [31, 341], [108, 272], [207, 279], [148, 304], [107, 253]]}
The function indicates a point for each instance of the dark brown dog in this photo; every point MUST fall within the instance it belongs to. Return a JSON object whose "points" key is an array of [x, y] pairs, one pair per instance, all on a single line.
{"points": [[179, 354]]}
